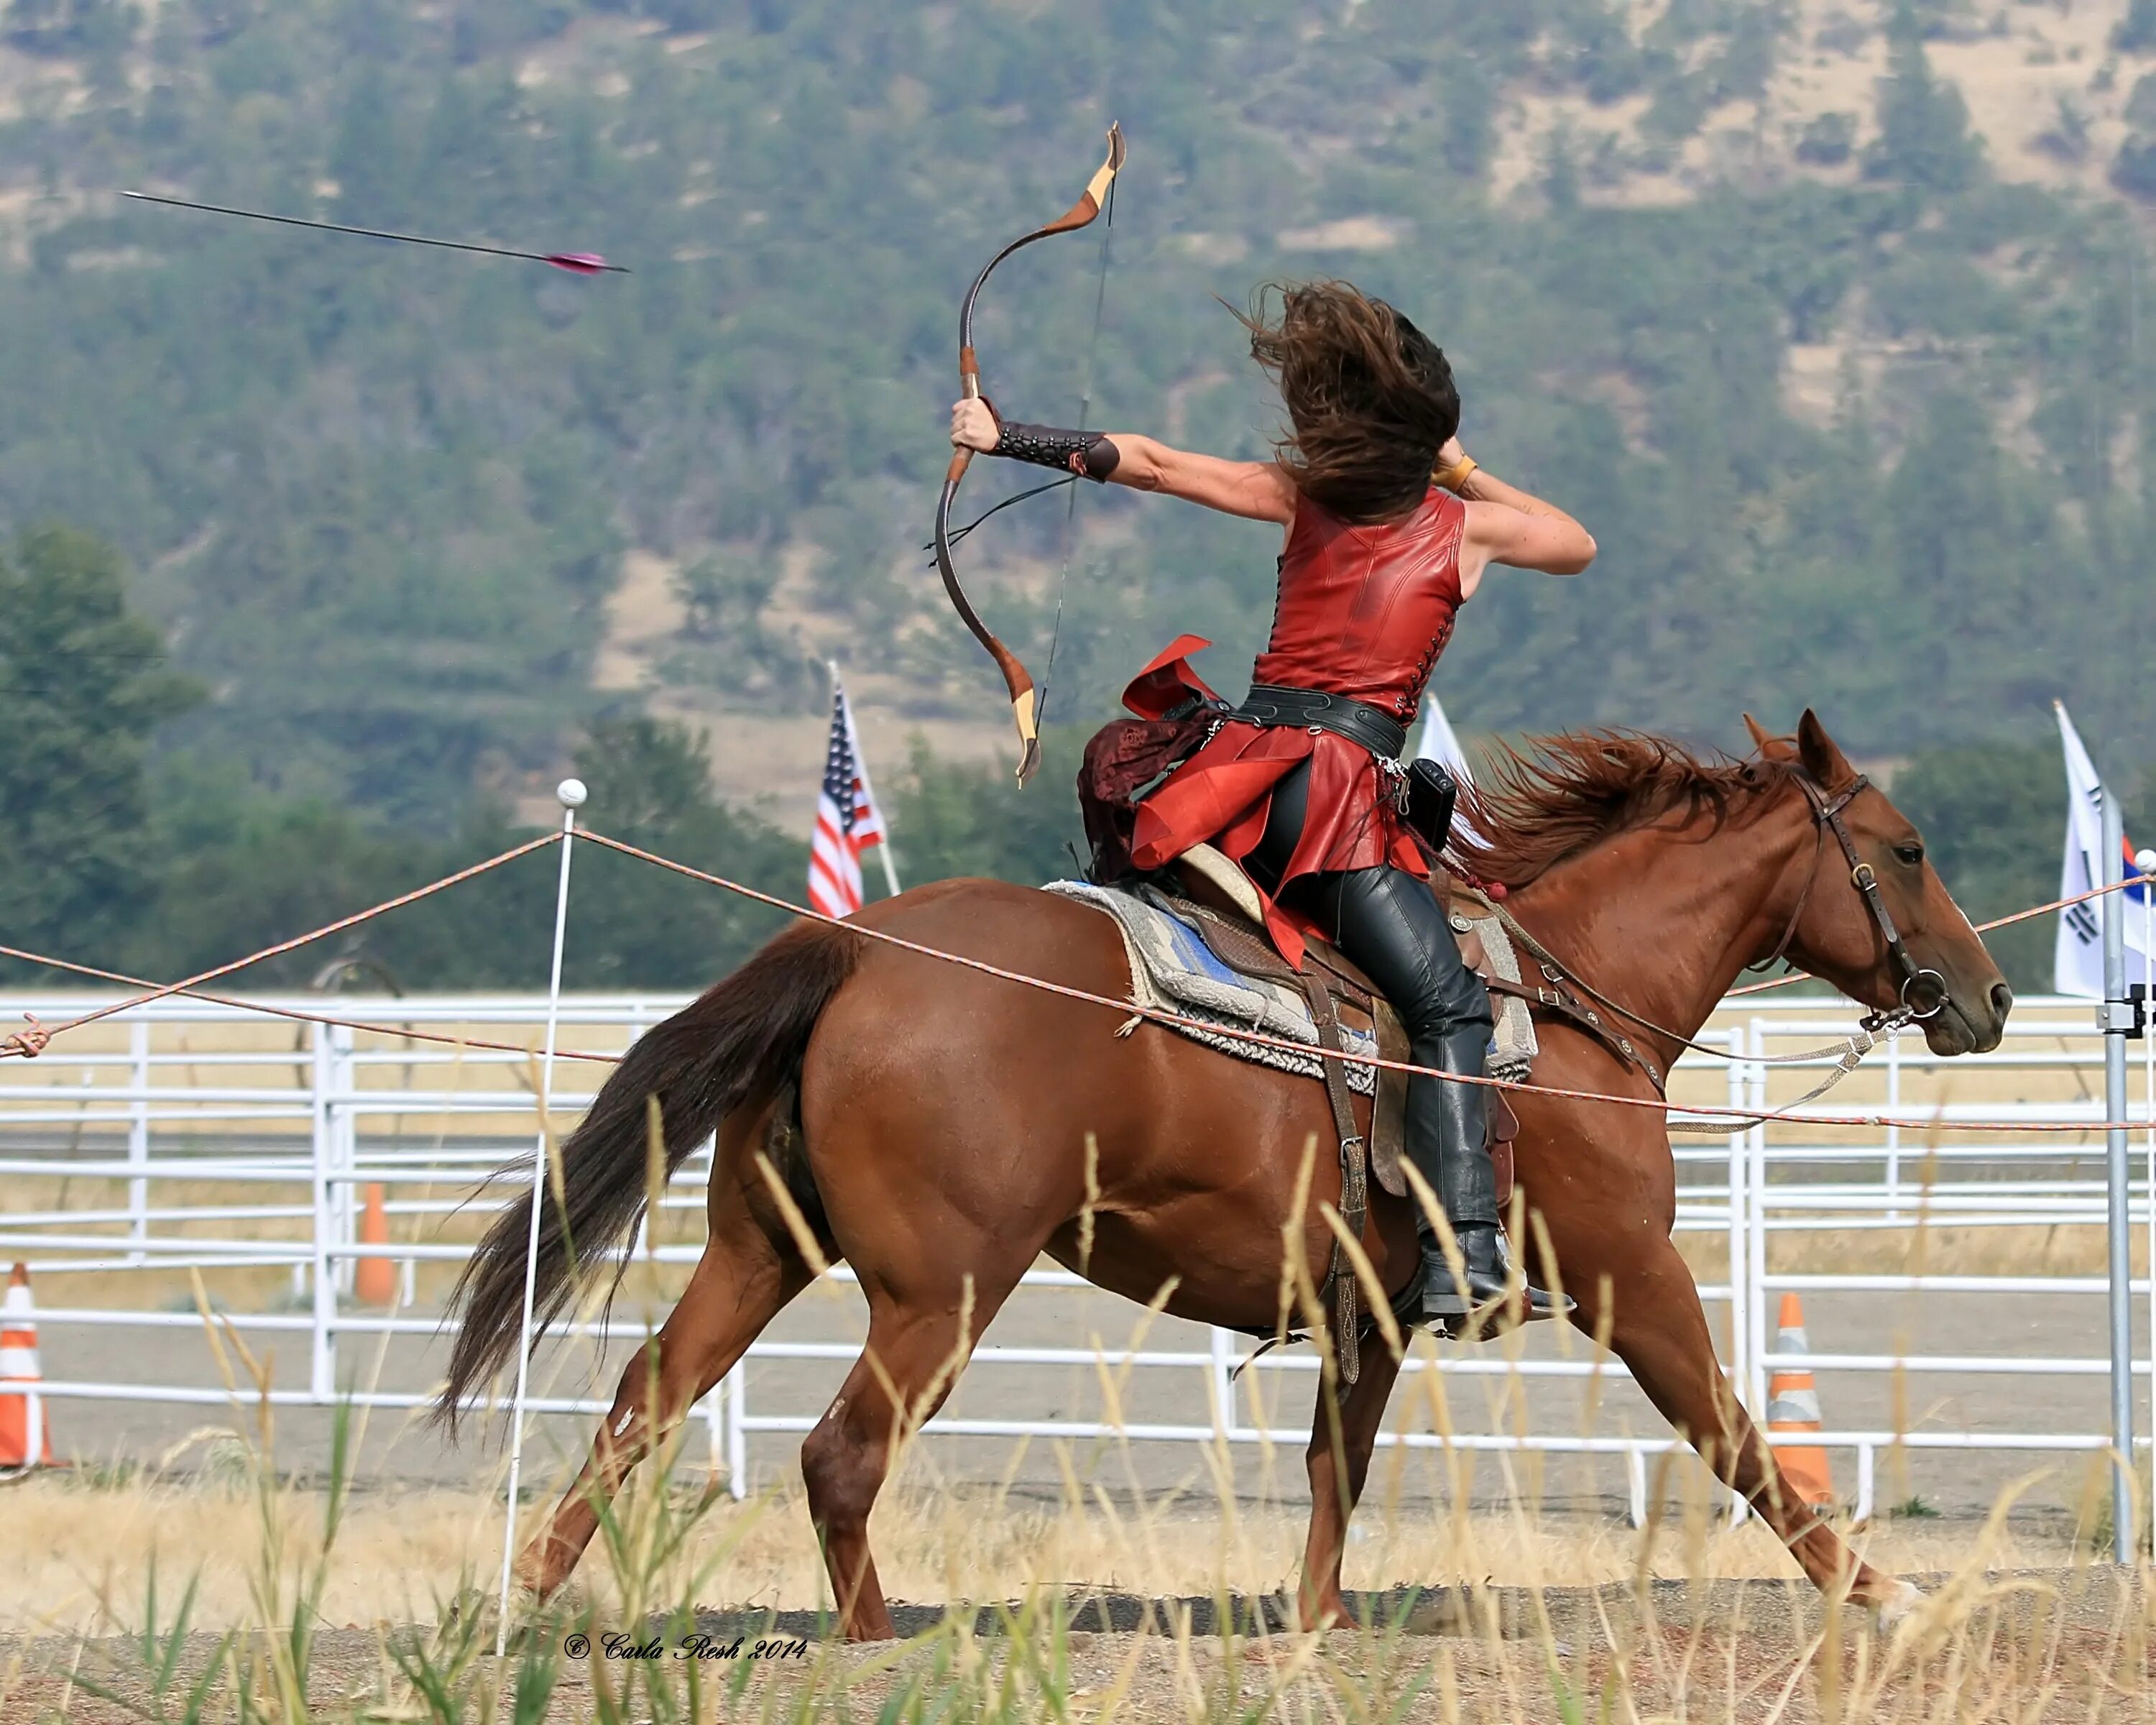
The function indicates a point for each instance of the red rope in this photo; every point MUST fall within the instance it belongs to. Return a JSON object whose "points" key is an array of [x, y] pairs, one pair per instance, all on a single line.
{"points": [[278, 1012], [1128, 1008], [2056, 904], [29, 1043]]}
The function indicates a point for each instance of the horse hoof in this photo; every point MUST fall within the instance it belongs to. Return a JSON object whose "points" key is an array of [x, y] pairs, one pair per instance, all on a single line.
{"points": [[1901, 1598]]}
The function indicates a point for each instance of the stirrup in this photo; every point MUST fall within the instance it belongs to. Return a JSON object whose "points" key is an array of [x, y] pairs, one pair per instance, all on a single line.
{"points": [[1493, 1300]]}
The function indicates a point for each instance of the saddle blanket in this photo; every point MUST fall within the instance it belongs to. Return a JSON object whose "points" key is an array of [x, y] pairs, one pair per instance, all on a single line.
{"points": [[1173, 970]]}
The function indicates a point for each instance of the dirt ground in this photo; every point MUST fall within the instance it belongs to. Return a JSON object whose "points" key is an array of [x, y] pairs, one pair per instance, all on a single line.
{"points": [[2059, 1645]]}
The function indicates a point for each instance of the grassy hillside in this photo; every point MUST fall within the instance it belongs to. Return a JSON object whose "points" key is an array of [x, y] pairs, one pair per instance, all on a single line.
{"points": [[1827, 318]]}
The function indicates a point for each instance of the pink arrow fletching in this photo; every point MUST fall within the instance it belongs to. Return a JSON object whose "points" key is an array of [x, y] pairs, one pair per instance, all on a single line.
{"points": [[577, 263]]}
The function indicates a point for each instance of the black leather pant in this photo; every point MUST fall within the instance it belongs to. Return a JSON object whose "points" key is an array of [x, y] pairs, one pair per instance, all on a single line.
{"points": [[1391, 925]]}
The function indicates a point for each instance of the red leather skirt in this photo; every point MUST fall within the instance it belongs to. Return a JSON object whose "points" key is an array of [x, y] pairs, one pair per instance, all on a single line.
{"points": [[1223, 796]]}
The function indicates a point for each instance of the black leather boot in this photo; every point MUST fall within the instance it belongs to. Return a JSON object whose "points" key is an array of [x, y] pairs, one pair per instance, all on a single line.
{"points": [[1452, 1121]]}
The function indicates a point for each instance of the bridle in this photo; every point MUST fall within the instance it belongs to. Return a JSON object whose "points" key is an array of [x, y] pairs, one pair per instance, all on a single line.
{"points": [[1923, 993], [1919, 983]]}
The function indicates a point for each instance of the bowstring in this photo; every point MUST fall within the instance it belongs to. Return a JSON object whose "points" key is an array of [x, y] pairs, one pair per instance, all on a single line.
{"points": [[1085, 410]]}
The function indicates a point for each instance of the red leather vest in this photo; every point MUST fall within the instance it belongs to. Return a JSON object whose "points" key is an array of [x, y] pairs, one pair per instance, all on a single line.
{"points": [[1362, 611], [1365, 611]]}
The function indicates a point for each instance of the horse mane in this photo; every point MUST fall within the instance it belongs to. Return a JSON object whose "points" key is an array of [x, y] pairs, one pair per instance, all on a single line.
{"points": [[1562, 795]]}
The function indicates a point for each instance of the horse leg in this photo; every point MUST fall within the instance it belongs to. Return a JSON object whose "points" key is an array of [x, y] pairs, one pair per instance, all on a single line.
{"points": [[1659, 1329], [1342, 1433], [738, 1287], [912, 1358]]}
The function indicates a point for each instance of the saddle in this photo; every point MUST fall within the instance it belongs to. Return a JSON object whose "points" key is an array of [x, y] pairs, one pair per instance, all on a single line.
{"points": [[1215, 897]]}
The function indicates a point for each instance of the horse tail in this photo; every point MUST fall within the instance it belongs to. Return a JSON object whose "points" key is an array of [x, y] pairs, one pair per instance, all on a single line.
{"points": [[732, 1044]]}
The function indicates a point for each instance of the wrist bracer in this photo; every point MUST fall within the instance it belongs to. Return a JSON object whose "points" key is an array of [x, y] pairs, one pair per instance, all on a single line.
{"points": [[1086, 453]]}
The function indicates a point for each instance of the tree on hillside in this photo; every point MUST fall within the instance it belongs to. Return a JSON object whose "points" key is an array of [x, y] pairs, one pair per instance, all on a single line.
{"points": [[242, 869], [1991, 818], [964, 817], [1924, 138], [84, 684], [635, 925]]}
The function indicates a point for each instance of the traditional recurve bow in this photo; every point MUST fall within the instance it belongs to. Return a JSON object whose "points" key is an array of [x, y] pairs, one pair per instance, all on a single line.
{"points": [[1016, 678]]}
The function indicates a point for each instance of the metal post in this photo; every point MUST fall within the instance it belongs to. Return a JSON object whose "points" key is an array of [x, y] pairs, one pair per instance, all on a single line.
{"points": [[736, 1389], [1752, 1387], [344, 1190], [1221, 1366], [1894, 1131], [2145, 862], [2118, 1021], [571, 794], [1740, 1282], [138, 1137], [322, 1376], [1755, 1203]]}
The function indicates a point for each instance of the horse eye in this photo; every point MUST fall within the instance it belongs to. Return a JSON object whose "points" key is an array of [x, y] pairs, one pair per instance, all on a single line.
{"points": [[1912, 854]]}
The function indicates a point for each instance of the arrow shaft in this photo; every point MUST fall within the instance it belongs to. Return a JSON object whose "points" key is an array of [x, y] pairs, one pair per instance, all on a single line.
{"points": [[450, 245]]}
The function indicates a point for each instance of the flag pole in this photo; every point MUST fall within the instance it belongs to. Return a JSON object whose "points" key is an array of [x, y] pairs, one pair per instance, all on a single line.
{"points": [[571, 794], [2145, 861], [2118, 1022]]}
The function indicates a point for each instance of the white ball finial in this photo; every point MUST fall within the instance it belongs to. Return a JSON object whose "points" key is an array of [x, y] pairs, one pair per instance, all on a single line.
{"points": [[570, 793], [2145, 860]]}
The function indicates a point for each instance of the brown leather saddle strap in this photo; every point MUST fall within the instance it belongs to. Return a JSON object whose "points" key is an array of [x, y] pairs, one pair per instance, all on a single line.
{"points": [[1340, 1282], [1553, 997]]}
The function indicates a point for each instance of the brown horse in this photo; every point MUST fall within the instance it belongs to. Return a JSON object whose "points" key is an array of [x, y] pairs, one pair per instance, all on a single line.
{"points": [[944, 1114]]}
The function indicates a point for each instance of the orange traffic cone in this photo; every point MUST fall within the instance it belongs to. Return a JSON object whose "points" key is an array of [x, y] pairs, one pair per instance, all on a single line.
{"points": [[1793, 1405], [24, 1439], [374, 1278]]}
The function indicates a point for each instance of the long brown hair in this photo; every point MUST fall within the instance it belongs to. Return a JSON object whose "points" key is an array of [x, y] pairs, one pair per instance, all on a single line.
{"points": [[1369, 397]]}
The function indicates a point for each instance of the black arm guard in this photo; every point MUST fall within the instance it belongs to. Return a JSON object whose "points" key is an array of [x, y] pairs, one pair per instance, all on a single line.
{"points": [[1087, 453]]}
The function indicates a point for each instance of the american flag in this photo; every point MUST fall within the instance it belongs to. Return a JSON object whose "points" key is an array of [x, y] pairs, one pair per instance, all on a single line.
{"points": [[848, 821]]}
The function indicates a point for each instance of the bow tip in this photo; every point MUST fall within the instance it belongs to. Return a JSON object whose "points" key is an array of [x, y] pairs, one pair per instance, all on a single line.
{"points": [[1028, 760]]}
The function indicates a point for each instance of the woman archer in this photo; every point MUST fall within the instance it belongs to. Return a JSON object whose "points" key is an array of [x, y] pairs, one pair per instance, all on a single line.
{"points": [[1390, 527]]}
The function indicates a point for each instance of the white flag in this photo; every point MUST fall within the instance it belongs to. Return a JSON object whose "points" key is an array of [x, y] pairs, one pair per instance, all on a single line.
{"points": [[1437, 743], [2077, 960]]}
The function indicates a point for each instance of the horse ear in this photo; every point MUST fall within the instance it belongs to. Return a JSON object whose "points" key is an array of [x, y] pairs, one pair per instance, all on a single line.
{"points": [[1771, 748], [1821, 756]]}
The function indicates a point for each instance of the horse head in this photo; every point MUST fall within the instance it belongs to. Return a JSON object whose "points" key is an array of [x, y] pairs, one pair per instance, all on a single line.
{"points": [[1871, 915]]}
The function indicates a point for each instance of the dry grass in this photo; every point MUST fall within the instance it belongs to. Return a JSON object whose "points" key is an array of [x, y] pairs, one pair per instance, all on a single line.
{"points": [[298, 1594], [285, 1569], [81, 1555]]}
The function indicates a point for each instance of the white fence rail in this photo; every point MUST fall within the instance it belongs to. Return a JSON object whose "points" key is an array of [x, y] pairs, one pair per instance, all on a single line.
{"points": [[292, 1122]]}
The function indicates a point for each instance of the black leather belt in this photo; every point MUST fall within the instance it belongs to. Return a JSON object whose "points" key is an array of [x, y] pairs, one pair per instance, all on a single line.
{"points": [[1375, 729]]}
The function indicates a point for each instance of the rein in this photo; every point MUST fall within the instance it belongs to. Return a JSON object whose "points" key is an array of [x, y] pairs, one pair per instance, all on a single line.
{"points": [[1917, 982]]}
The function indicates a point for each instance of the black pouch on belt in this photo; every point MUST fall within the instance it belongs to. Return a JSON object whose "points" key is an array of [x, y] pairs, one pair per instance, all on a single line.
{"points": [[1431, 794]]}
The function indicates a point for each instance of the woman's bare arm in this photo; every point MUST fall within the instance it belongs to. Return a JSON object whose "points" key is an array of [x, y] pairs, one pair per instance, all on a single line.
{"points": [[1256, 490], [1506, 525]]}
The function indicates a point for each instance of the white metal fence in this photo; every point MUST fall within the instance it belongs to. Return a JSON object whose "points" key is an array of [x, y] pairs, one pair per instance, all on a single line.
{"points": [[289, 1123]]}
